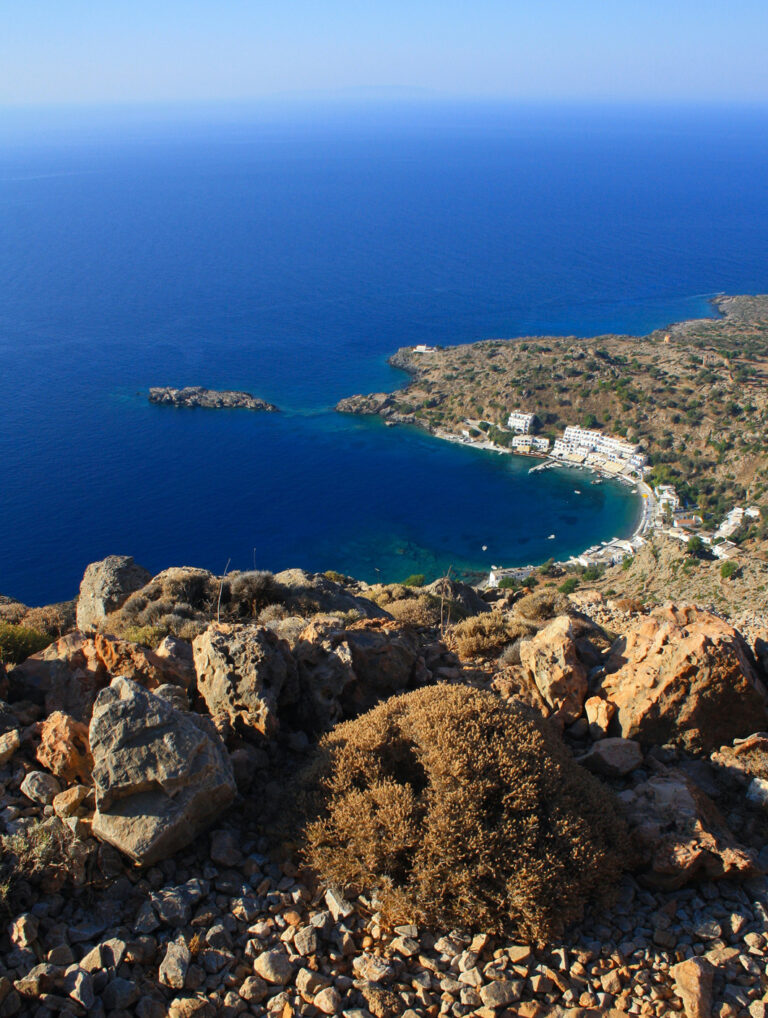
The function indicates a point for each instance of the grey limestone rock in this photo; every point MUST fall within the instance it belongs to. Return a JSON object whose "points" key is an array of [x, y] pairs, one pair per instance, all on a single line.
{"points": [[161, 775], [105, 587], [245, 672]]}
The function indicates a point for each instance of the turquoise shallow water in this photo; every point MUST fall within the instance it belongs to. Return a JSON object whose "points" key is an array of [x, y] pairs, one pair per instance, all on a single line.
{"points": [[290, 255]]}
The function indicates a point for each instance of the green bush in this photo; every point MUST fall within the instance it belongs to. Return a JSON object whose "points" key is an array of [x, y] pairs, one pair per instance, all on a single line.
{"points": [[18, 642], [728, 570], [509, 583], [569, 585], [530, 581], [415, 580], [462, 810], [592, 573], [695, 546]]}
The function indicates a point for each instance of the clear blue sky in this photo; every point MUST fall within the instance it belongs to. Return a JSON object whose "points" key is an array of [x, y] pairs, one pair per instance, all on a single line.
{"points": [[97, 51]]}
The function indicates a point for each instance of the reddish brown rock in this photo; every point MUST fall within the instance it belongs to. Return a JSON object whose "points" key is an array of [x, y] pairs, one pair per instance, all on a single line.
{"points": [[64, 748], [693, 985], [68, 675], [681, 835], [686, 677], [552, 662], [599, 713]]}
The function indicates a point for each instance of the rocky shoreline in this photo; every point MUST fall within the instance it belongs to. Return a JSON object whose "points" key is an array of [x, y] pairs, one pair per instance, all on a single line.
{"points": [[150, 867], [211, 399]]}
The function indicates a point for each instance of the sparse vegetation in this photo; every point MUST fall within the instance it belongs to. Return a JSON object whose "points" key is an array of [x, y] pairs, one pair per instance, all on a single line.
{"points": [[486, 635], [43, 850], [18, 642]]}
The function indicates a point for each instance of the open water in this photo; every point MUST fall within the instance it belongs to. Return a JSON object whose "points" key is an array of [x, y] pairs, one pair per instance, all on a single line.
{"points": [[289, 252]]}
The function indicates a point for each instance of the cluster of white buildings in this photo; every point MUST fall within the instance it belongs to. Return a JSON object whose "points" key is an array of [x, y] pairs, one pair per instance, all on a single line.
{"points": [[609, 553], [669, 510], [594, 448], [735, 520], [520, 422], [667, 502], [530, 444]]}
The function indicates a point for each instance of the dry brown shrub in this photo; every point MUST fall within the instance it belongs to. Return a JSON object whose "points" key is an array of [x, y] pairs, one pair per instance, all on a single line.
{"points": [[543, 604], [52, 619], [423, 610], [486, 635], [462, 810]]}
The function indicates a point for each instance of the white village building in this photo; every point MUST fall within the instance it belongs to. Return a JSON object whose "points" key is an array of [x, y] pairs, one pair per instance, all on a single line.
{"points": [[520, 422]]}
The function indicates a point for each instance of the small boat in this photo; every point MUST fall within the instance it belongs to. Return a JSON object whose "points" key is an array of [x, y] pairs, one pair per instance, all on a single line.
{"points": [[576, 491], [551, 537], [485, 547]]}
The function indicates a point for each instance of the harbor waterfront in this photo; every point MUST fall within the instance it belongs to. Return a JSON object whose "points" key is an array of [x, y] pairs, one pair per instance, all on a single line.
{"points": [[607, 552]]}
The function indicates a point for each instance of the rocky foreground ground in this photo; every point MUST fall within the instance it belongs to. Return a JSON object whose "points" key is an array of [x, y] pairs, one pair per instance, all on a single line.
{"points": [[149, 868]]}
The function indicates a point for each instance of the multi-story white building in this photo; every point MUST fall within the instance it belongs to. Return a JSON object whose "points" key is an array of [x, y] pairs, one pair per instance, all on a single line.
{"points": [[530, 443], [667, 498], [580, 442], [732, 522], [520, 422]]}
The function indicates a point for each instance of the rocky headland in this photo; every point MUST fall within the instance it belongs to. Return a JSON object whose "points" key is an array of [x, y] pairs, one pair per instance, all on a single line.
{"points": [[211, 399], [693, 397], [299, 794]]}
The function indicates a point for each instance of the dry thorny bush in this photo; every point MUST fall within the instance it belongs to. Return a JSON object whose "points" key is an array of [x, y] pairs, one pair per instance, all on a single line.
{"points": [[464, 810]]}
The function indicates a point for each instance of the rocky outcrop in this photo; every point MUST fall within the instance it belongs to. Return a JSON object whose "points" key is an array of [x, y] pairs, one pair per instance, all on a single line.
{"points": [[382, 404], [459, 595], [212, 399], [105, 587], [246, 673], [68, 675], [316, 592], [681, 835], [553, 664], [64, 748], [685, 677], [161, 775], [345, 671]]}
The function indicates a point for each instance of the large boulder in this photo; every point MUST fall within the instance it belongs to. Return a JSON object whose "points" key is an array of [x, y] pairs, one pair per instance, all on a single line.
{"points": [[685, 677], [245, 672], [344, 671], [105, 587], [681, 835], [552, 662], [69, 673], [161, 775]]}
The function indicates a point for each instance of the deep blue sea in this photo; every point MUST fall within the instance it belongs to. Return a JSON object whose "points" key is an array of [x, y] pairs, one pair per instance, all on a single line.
{"points": [[289, 251]]}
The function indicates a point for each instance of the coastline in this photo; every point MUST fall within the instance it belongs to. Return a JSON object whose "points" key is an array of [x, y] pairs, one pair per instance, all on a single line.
{"points": [[645, 498]]}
